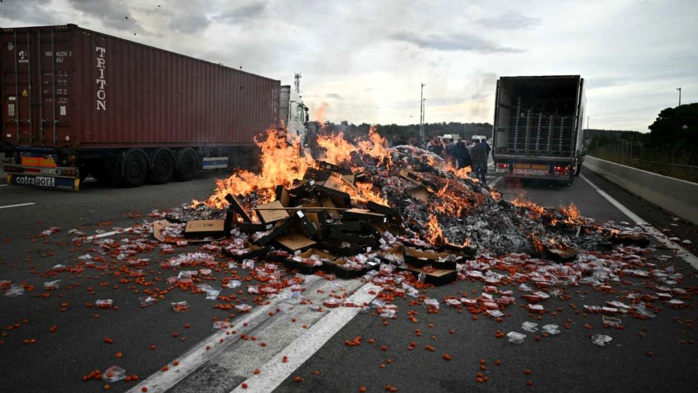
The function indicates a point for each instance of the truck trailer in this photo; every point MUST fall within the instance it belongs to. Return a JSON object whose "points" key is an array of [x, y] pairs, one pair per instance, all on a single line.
{"points": [[78, 102], [538, 130]]}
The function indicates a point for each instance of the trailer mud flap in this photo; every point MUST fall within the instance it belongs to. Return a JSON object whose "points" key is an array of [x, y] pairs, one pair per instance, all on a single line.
{"points": [[61, 183]]}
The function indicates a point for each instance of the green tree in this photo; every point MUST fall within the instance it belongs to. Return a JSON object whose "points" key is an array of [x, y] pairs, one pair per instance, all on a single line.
{"points": [[676, 127]]}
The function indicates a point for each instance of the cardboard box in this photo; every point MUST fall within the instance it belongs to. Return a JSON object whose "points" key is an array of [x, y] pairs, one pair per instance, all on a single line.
{"points": [[275, 213], [364, 215], [250, 227], [302, 189], [205, 228], [337, 267], [237, 207], [332, 167], [332, 188], [393, 256], [335, 247], [436, 277], [250, 252], [419, 258], [303, 268], [280, 228], [283, 196], [327, 203], [388, 211], [294, 242], [354, 237]]}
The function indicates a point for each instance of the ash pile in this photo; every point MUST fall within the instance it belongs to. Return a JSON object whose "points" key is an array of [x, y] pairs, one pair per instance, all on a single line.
{"points": [[367, 205]]}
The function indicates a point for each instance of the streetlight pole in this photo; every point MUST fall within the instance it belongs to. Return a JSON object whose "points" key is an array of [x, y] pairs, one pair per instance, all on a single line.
{"points": [[421, 113], [679, 89]]}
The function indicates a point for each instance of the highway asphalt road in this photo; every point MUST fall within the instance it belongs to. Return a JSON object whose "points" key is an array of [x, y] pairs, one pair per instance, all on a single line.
{"points": [[52, 339]]}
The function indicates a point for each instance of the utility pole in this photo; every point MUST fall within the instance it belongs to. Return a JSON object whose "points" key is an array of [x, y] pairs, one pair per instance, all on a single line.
{"points": [[588, 117], [679, 89], [297, 82], [421, 113]]}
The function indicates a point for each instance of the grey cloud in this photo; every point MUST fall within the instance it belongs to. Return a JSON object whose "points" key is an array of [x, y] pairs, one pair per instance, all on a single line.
{"points": [[508, 21], [452, 42], [113, 14], [241, 14], [334, 96], [189, 24], [23, 13]]}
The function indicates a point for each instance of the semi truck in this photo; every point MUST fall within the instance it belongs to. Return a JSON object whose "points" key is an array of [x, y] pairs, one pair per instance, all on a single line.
{"points": [[78, 102], [538, 130]]}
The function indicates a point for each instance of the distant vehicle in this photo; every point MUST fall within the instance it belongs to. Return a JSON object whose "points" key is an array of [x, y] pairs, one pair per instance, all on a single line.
{"points": [[478, 138], [538, 130], [77, 101]]}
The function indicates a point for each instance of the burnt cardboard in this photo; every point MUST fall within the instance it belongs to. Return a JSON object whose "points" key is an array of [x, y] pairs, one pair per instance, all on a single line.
{"points": [[237, 207], [560, 255], [421, 258], [281, 227], [332, 188], [411, 176], [395, 230], [355, 177], [454, 249], [294, 242], [250, 252], [364, 215], [346, 226], [332, 167], [436, 277], [267, 216], [205, 228], [388, 211], [304, 188], [419, 193], [283, 196]]}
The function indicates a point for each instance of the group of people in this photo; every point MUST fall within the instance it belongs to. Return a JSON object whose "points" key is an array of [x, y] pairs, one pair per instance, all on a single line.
{"points": [[462, 155]]}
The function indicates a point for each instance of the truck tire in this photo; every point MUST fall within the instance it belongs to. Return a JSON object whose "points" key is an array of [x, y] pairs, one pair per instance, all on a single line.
{"points": [[135, 168], [186, 168], [163, 167], [578, 169]]}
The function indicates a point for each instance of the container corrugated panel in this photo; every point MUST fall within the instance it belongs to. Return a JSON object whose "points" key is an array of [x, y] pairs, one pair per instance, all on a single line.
{"points": [[67, 86]]}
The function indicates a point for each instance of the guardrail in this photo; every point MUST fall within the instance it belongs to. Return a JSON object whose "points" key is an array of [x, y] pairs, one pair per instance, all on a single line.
{"points": [[677, 196]]}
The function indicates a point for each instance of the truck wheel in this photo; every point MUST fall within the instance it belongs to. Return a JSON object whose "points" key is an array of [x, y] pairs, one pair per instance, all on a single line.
{"points": [[187, 166], [163, 167], [135, 169], [578, 169]]}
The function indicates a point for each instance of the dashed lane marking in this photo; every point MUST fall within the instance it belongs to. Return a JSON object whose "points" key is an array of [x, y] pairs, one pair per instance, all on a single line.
{"points": [[18, 205]]}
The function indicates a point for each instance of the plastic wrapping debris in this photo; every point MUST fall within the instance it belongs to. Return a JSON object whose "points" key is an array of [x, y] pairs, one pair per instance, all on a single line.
{"points": [[233, 284], [495, 313], [221, 325], [530, 327], [601, 339], [243, 307], [431, 304], [212, 293], [332, 303], [104, 303], [550, 329], [180, 306], [146, 301], [15, 290], [247, 264], [253, 289], [516, 338], [525, 288], [611, 322], [52, 285], [114, 374]]}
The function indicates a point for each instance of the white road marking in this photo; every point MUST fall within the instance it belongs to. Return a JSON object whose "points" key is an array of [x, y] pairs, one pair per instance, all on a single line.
{"points": [[662, 238], [19, 205], [107, 234], [305, 346]]}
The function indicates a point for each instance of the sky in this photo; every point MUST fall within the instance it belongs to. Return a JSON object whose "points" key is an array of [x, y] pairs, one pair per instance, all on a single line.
{"points": [[365, 60]]}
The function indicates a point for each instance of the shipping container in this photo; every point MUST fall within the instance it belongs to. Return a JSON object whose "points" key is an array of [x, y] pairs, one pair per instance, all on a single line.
{"points": [[538, 130], [85, 102]]}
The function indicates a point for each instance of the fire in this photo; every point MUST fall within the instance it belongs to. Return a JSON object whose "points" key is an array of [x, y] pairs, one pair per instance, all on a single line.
{"points": [[337, 149], [377, 147], [572, 213], [281, 164], [434, 233], [534, 208], [359, 192], [320, 114]]}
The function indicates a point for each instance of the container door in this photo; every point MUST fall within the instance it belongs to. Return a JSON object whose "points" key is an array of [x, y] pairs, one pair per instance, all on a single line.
{"points": [[35, 87]]}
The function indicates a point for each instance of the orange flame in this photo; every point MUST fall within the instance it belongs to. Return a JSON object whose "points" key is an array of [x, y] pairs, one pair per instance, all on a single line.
{"points": [[572, 213], [337, 149], [281, 164], [320, 115], [377, 147], [434, 234]]}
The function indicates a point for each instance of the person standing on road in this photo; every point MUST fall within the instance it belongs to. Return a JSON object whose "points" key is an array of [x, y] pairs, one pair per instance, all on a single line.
{"points": [[479, 156], [451, 153], [462, 154]]}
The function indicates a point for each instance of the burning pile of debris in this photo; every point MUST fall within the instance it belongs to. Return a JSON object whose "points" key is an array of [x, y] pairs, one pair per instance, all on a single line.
{"points": [[362, 204]]}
